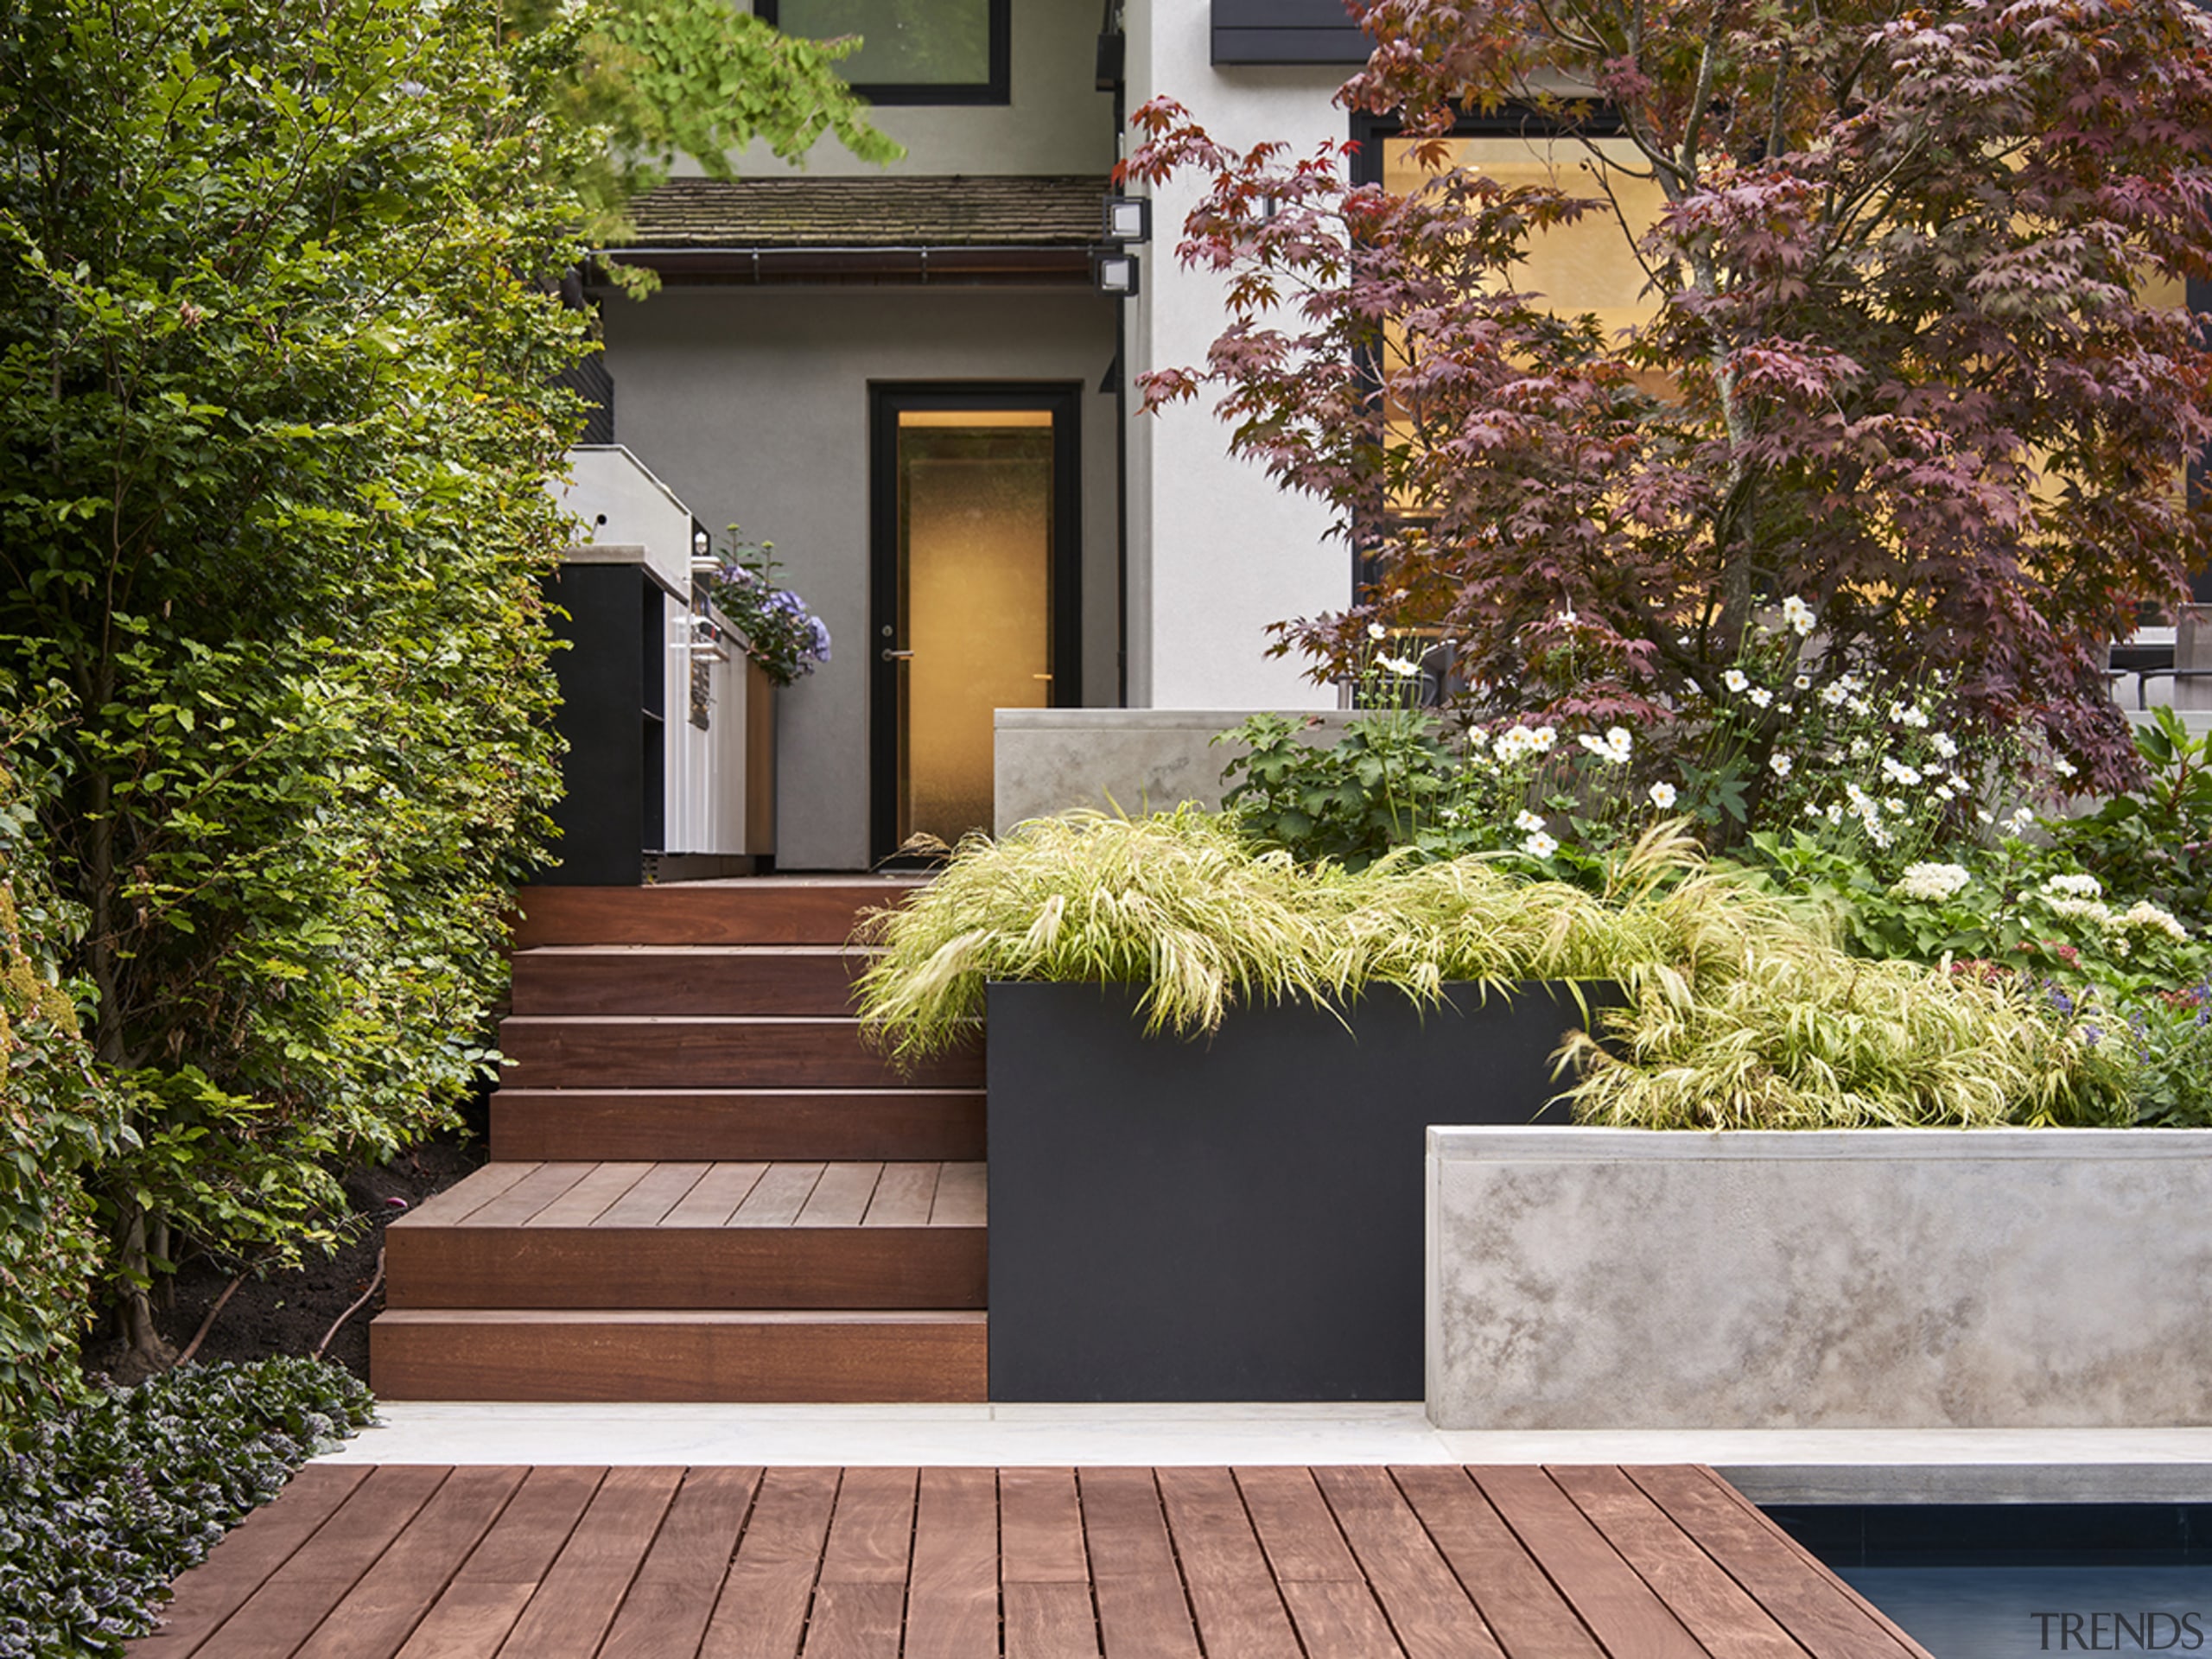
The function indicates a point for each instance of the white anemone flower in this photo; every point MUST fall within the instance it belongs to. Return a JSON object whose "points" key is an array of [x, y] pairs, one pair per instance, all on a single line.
{"points": [[1527, 823], [1400, 666], [1663, 796], [1735, 679], [1539, 845], [1780, 763]]}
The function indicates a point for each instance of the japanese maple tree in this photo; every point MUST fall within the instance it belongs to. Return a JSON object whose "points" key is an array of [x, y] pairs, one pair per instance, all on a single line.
{"points": [[1912, 354]]}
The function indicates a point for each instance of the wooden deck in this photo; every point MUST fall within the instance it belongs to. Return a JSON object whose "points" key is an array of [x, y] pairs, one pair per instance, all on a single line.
{"points": [[1173, 1563]]}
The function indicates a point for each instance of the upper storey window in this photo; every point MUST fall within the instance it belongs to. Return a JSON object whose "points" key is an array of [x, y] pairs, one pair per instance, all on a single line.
{"points": [[912, 51]]}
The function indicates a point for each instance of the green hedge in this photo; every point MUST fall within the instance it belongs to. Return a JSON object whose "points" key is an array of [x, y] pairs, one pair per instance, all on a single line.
{"points": [[101, 1506]]}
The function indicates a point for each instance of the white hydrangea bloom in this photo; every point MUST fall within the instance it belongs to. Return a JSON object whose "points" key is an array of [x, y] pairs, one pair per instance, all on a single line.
{"points": [[2144, 914], [2073, 887], [1931, 883], [2082, 910]]}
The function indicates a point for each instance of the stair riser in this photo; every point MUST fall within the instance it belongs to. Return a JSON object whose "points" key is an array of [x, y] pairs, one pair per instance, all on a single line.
{"points": [[679, 983], [685, 1266], [742, 912], [680, 1362], [675, 1053], [676, 1126]]}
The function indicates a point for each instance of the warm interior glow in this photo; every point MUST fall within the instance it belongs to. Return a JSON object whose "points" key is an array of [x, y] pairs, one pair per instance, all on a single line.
{"points": [[976, 495], [1587, 266], [974, 417]]}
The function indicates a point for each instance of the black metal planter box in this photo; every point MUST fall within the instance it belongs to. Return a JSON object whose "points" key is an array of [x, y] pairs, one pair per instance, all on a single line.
{"points": [[1237, 1218]]}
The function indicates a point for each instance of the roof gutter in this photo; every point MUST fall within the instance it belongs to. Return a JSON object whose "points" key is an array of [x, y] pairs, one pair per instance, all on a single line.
{"points": [[919, 264]]}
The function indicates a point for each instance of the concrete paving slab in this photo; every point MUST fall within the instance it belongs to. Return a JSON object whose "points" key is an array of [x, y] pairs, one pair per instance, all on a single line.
{"points": [[2170, 1465]]}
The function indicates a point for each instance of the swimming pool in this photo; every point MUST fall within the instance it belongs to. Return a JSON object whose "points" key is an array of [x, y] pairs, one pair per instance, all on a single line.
{"points": [[1994, 1582]]}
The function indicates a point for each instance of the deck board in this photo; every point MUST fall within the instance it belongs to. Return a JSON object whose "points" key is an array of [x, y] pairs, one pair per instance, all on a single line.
{"points": [[968, 1563]]}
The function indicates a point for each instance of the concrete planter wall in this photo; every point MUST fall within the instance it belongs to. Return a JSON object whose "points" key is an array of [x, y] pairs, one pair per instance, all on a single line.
{"points": [[1237, 1218], [1046, 760], [1890, 1278]]}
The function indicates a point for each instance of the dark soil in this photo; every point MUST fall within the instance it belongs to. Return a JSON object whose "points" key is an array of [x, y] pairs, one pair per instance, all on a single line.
{"points": [[288, 1312]]}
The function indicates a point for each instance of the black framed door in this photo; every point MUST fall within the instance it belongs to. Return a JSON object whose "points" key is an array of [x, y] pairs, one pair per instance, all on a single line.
{"points": [[975, 593]]}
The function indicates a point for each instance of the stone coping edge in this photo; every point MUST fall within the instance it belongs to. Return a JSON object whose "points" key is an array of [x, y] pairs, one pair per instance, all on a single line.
{"points": [[1547, 1145]]}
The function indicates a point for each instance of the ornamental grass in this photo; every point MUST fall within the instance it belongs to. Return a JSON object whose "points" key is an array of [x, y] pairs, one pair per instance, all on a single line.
{"points": [[1739, 1012]]}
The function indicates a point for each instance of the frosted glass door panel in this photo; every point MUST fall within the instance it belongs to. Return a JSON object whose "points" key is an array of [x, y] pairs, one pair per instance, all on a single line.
{"points": [[975, 603]]}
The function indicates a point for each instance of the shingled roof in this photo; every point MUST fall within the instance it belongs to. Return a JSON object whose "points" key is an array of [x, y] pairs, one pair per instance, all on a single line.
{"points": [[872, 211]]}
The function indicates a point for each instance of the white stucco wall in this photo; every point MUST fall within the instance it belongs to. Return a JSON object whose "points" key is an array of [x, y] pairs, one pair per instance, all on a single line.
{"points": [[1217, 550], [1055, 122], [753, 404]]}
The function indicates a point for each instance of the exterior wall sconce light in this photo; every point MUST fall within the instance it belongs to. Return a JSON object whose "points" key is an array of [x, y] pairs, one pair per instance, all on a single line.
{"points": [[1114, 272], [1127, 219]]}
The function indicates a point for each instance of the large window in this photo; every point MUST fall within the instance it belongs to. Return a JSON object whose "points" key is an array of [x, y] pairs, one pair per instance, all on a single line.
{"points": [[912, 51]]}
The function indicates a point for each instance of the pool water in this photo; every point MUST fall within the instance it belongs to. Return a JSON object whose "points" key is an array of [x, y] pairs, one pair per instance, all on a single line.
{"points": [[1997, 1612], [1994, 1582]]}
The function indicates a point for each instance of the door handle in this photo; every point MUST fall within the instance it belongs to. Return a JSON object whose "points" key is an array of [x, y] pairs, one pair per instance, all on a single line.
{"points": [[891, 656]]}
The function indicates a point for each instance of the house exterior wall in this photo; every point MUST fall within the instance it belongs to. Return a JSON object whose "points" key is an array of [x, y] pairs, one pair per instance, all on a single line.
{"points": [[1217, 550], [753, 404], [1055, 122]]}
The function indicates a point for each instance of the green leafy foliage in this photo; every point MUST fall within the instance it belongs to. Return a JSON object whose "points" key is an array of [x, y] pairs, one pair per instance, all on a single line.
{"points": [[57, 1119], [276, 363], [661, 78], [102, 1506], [1376, 788], [2154, 841]]}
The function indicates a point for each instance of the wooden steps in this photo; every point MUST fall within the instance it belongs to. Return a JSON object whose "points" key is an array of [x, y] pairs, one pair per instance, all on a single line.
{"points": [[703, 1184], [698, 979], [649, 1050], [674, 1356], [776, 1235], [914, 1124]]}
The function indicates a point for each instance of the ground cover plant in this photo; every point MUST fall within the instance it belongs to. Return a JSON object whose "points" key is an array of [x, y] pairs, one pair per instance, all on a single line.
{"points": [[102, 1506]]}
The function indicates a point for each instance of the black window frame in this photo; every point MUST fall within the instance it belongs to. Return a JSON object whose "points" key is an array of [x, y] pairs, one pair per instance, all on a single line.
{"points": [[998, 89]]}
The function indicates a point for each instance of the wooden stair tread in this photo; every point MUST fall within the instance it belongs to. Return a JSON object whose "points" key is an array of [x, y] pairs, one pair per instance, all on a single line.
{"points": [[891, 1124], [715, 1051], [826, 1355], [730, 1316], [854, 1193], [762, 911]]}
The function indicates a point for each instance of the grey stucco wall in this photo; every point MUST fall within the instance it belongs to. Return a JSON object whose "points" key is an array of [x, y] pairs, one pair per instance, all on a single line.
{"points": [[753, 404], [1595, 1278]]}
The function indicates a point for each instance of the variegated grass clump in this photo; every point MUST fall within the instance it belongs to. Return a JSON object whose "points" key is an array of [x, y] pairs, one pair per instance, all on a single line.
{"points": [[1178, 905], [1739, 1013], [1816, 1040]]}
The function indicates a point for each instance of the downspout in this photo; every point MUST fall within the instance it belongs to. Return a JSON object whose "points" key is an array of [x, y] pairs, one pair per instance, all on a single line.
{"points": [[1112, 46]]}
